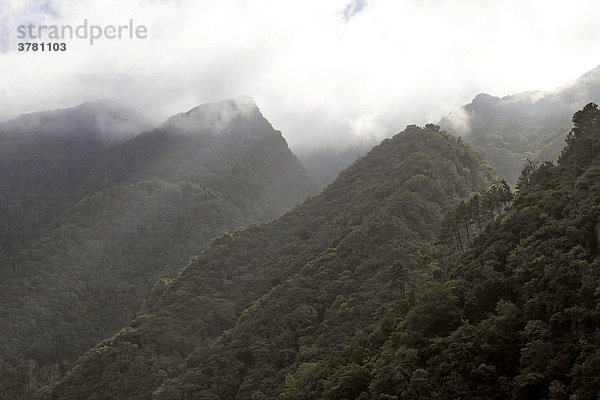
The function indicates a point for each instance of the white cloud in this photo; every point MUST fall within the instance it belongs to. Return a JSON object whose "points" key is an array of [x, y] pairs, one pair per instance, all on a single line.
{"points": [[318, 70]]}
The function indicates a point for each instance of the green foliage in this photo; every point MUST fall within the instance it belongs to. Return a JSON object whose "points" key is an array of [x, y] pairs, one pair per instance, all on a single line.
{"points": [[467, 218], [583, 142], [134, 212], [337, 298], [295, 307], [527, 296]]}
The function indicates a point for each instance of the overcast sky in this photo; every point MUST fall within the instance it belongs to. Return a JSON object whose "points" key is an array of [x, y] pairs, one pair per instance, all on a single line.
{"points": [[319, 70]]}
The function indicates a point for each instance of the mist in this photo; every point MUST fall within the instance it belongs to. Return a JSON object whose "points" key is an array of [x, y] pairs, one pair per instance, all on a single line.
{"points": [[326, 75]]}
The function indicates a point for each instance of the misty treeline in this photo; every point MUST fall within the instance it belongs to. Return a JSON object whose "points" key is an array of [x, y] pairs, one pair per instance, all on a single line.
{"points": [[531, 125]]}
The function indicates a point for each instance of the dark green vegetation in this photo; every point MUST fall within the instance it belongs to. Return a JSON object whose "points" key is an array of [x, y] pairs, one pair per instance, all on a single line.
{"points": [[45, 157], [364, 292], [301, 306], [461, 224], [517, 315], [94, 221], [531, 125], [409, 277]]}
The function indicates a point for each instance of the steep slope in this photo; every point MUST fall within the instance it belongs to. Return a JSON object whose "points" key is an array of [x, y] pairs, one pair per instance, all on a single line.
{"points": [[46, 156], [228, 146], [255, 304], [148, 205], [532, 125], [516, 316]]}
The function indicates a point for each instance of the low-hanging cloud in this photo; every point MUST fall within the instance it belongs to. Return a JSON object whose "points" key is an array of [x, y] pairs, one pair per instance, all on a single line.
{"points": [[322, 72], [459, 121]]}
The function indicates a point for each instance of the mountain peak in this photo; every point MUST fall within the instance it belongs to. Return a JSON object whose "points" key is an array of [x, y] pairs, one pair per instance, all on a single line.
{"points": [[239, 114], [240, 104]]}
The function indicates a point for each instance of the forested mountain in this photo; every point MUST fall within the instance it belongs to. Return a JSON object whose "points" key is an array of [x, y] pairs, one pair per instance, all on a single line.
{"points": [[255, 314], [532, 125], [415, 274], [141, 208], [517, 315], [46, 156], [385, 286]]}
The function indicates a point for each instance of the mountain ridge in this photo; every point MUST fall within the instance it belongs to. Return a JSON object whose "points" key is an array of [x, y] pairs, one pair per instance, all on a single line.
{"points": [[139, 211], [399, 188], [529, 125]]}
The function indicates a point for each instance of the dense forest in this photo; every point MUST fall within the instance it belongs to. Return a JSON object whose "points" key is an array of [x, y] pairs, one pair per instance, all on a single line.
{"points": [[247, 316], [93, 221], [46, 156], [416, 274], [517, 315]]}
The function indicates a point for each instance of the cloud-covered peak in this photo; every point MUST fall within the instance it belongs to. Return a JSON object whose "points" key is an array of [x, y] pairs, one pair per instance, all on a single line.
{"points": [[239, 114]]}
